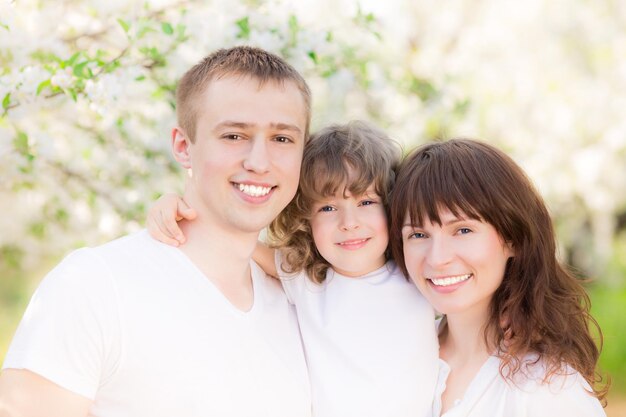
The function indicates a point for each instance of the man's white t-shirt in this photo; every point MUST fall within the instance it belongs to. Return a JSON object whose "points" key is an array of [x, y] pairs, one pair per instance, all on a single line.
{"points": [[489, 394], [370, 343], [136, 327]]}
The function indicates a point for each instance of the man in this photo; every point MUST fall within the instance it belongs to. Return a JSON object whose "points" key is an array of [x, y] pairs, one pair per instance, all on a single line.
{"points": [[138, 328]]}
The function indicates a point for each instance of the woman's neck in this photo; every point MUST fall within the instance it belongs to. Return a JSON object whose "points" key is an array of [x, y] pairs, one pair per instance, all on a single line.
{"points": [[463, 347], [464, 336]]}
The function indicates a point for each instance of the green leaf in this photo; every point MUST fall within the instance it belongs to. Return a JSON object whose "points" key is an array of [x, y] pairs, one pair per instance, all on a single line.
{"points": [[461, 107], [21, 143], [180, 32], [293, 28], [2, 25], [61, 216], [313, 56], [70, 62], [244, 28], [422, 88], [11, 255], [144, 30], [79, 69], [6, 101], [167, 28], [125, 25], [42, 85], [38, 230]]}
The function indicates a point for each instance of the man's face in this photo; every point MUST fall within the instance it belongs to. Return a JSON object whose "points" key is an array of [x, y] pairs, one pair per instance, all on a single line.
{"points": [[246, 157]]}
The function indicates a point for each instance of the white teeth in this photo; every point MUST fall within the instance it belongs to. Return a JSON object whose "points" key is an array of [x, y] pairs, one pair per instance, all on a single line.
{"points": [[253, 190], [352, 242], [444, 282]]}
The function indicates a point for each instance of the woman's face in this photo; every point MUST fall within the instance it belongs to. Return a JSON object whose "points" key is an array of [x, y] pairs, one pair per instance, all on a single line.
{"points": [[457, 266]]}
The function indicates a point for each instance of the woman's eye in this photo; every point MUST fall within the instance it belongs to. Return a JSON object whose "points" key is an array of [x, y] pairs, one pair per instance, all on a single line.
{"points": [[417, 235]]}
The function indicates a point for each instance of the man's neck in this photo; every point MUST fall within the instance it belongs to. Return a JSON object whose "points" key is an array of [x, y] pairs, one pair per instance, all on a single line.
{"points": [[223, 256]]}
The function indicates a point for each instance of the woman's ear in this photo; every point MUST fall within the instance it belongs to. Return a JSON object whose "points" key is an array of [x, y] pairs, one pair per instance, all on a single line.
{"points": [[180, 147], [510, 250]]}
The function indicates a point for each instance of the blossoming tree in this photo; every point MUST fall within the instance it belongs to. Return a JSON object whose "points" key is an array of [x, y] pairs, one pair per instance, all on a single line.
{"points": [[87, 92]]}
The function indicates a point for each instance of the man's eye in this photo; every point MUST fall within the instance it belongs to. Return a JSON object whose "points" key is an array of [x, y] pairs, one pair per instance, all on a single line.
{"points": [[282, 139], [232, 136]]}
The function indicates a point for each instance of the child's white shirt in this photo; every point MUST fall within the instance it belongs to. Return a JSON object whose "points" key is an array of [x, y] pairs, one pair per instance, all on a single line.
{"points": [[370, 343]]}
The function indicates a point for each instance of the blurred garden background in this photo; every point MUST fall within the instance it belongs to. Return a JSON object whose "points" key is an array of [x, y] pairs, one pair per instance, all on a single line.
{"points": [[87, 92]]}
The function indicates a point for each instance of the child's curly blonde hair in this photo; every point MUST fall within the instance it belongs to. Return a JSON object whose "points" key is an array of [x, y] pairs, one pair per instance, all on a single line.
{"points": [[339, 158]]}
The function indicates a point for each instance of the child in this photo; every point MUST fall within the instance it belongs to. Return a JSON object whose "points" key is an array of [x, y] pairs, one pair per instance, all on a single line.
{"points": [[477, 239], [368, 334]]}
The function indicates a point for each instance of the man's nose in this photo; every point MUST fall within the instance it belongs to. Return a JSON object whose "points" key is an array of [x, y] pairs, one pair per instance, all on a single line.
{"points": [[257, 159]]}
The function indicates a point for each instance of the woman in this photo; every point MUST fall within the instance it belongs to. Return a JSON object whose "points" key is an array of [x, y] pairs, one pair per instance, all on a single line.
{"points": [[474, 235]]}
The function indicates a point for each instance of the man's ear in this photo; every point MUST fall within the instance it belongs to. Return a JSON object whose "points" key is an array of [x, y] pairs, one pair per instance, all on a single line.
{"points": [[180, 147]]}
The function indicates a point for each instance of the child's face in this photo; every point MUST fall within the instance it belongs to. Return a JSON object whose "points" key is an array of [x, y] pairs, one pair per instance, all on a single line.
{"points": [[350, 232], [457, 265]]}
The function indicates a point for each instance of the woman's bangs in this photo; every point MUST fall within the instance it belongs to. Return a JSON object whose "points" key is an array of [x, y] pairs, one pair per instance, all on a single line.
{"points": [[436, 190]]}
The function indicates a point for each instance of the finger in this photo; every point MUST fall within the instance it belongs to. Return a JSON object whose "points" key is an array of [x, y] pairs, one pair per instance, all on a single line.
{"points": [[169, 227], [184, 211], [156, 233]]}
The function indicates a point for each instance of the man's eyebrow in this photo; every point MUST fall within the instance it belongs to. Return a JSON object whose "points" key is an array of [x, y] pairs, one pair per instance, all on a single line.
{"points": [[232, 124], [243, 125], [286, 126]]}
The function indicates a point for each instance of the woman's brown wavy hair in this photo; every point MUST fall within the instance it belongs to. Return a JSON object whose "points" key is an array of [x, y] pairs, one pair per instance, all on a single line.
{"points": [[540, 307], [339, 158]]}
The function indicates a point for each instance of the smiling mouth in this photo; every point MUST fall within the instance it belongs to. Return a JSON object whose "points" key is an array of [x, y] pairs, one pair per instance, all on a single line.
{"points": [[447, 281], [353, 242], [253, 190]]}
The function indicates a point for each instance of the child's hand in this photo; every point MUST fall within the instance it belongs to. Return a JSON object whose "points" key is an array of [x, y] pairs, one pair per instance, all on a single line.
{"points": [[162, 218]]}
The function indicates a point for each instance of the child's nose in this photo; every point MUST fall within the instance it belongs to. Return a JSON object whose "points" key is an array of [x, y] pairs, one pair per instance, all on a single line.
{"points": [[349, 220]]}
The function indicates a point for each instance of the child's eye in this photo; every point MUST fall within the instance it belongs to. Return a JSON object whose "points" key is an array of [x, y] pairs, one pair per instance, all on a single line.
{"points": [[464, 231], [326, 208], [368, 202]]}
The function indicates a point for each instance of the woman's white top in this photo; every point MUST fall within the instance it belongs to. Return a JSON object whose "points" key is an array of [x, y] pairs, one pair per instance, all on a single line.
{"points": [[489, 394]]}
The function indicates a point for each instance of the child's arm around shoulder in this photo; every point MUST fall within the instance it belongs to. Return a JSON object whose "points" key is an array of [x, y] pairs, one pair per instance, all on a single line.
{"points": [[265, 257], [162, 224], [163, 217]]}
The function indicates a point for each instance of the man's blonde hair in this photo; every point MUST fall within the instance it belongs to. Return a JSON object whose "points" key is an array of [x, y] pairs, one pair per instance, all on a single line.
{"points": [[237, 61]]}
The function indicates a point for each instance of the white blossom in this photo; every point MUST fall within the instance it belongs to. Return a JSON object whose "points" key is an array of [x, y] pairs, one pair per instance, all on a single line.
{"points": [[543, 80], [63, 78]]}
